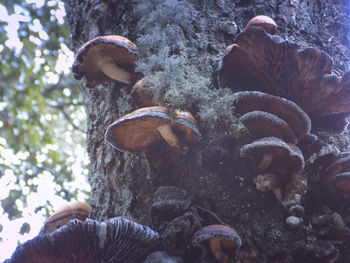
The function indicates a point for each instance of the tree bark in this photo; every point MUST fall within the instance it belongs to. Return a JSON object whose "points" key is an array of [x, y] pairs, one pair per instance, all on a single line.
{"points": [[125, 183]]}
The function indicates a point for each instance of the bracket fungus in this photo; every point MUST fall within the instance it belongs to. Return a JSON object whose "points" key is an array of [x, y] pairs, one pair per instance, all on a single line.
{"points": [[337, 174], [258, 61], [186, 126], [263, 22], [74, 210], [272, 150], [222, 240], [316, 151], [262, 124], [282, 164], [291, 113], [119, 241], [162, 256], [104, 58], [142, 95], [140, 128]]}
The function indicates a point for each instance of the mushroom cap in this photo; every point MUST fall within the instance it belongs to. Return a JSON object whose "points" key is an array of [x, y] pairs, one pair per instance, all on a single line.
{"points": [[315, 150], [229, 238], [142, 95], [120, 241], [185, 124], [162, 256], [74, 210], [257, 61], [286, 155], [139, 129], [262, 124], [342, 164], [263, 22], [111, 49], [341, 182], [287, 110]]}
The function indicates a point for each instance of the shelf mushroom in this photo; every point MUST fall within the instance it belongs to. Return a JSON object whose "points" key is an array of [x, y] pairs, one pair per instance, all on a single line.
{"points": [[75, 210], [263, 22], [337, 174], [142, 95], [280, 167], [185, 125], [259, 61], [270, 150], [119, 241], [316, 151], [288, 111], [140, 128], [262, 124], [104, 58], [223, 241]]}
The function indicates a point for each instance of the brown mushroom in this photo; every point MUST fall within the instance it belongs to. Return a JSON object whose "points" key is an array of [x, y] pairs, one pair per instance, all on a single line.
{"points": [[186, 126], [104, 58], [256, 61], [341, 165], [74, 210], [118, 241], [142, 95], [287, 110], [263, 22], [271, 149], [223, 241], [262, 124], [341, 182], [139, 129], [316, 151]]}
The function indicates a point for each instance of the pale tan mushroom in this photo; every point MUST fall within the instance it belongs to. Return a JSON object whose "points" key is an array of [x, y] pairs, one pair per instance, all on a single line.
{"points": [[104, 58]]}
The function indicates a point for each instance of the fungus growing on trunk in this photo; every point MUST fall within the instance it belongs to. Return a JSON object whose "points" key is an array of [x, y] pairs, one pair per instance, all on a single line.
{"points": [[258, 61], [142, 95], [119, 241], [291, 113], [74, 210], [263, 22], [186, 126], [337, 175], [282, 165], [222, 240], [316, 151], [104, 58], [139, 129], [271, 150], [262, 124]]}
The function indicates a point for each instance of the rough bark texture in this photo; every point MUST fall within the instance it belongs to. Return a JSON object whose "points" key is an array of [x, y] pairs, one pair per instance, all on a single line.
{"points": [[129, 183]]}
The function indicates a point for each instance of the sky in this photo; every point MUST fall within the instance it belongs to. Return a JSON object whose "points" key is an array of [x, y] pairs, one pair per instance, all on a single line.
{"points": [[46, 185]]}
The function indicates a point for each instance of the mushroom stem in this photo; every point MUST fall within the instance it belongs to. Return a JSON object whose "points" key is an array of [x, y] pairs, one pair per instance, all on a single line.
{"points": [[265, 162], [111, 70], [167, 133], [215, 247]]}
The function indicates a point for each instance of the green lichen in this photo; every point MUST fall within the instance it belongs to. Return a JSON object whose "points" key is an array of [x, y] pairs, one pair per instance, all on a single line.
{"points": [[169, 57], [124, 102]]}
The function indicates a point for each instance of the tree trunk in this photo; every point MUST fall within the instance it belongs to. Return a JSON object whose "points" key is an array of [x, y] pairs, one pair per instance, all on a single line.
{"points": [[125, 183]]}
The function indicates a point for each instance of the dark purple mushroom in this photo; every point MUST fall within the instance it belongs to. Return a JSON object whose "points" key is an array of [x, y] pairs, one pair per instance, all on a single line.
{"points": [[119, 240]]}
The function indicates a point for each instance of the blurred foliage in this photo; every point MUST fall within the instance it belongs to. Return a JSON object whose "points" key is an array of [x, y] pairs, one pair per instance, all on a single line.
{"points": [[39, 103]]}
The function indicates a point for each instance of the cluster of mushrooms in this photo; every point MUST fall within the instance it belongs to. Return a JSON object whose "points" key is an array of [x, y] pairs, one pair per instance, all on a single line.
{"points": [[279, 91], [70, 236]]}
